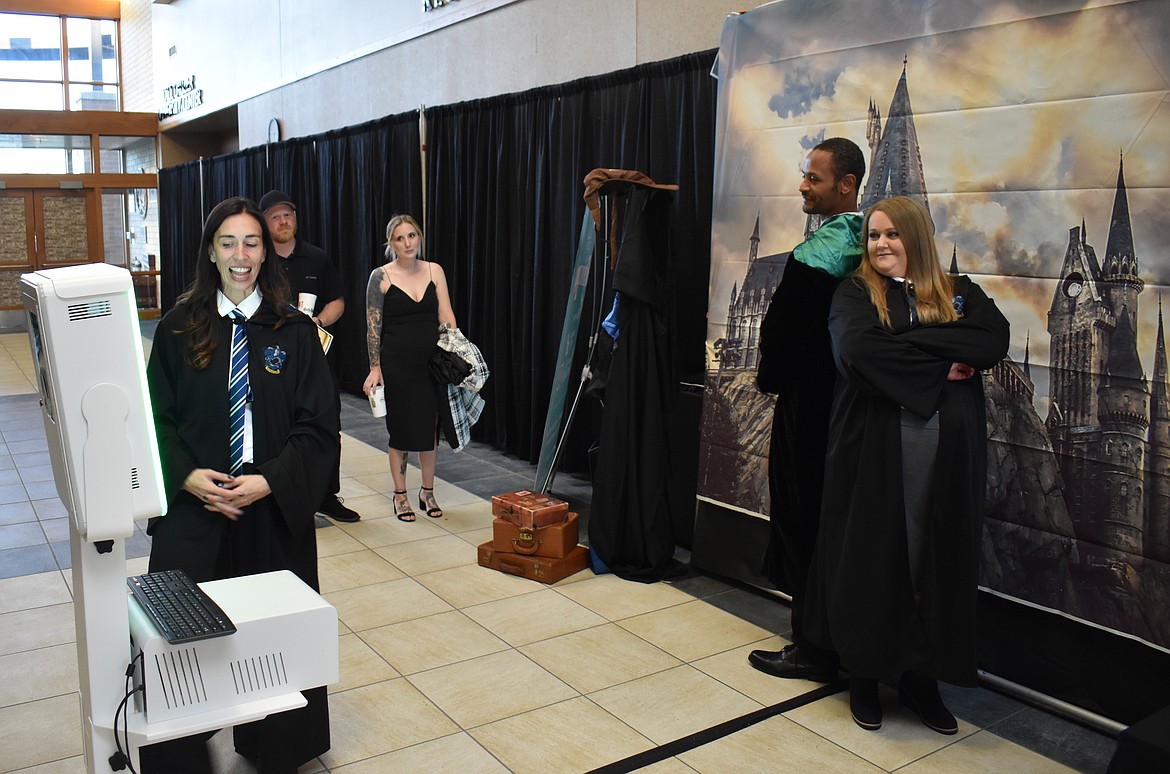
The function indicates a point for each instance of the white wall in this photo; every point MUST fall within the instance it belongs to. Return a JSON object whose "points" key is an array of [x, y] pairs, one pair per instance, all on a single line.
{"points": [[137, 58], [293, 61]]}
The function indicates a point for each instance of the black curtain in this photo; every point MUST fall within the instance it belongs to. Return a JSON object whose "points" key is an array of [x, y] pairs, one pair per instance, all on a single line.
{"points": [[363, 175], [503, 217], [186, 193], [505, 207], [180, 221], [346, 183], [234, 174]]}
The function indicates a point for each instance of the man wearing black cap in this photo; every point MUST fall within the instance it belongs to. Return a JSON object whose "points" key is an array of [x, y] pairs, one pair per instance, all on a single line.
{"points": [[309, 271]]}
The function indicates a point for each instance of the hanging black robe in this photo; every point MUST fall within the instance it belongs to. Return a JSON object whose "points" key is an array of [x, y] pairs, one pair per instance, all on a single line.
{"points": [[861, 602], [630, 526], [294, 430]]}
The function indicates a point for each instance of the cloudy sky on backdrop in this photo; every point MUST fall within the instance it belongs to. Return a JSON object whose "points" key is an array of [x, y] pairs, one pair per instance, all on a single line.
{"points": [[1021, 123]]}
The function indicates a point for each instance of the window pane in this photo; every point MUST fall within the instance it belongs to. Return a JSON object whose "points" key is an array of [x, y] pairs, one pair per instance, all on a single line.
{"points": [[93, 97], [127, 154], [30, 47], [114, 226], [130, 224], [93, 54], [111, 160], [44, 154], [32, 96]]}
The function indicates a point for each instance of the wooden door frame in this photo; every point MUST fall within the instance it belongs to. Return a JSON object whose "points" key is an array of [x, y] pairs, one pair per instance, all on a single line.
{"points": [[94, 244], [29, 227], [95, 125]]}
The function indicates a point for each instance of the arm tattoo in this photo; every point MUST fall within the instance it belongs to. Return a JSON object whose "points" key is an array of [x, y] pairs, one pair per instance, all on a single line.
{"points": [[374, 298]]}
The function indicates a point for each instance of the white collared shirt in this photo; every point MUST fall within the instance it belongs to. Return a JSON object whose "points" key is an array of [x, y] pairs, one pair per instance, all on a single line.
{"points": [[247, 308]]}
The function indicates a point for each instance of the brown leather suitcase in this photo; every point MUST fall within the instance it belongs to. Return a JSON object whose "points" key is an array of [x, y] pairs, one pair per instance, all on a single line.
{"points": [[537, 568], [555, 541], [529, 509]]}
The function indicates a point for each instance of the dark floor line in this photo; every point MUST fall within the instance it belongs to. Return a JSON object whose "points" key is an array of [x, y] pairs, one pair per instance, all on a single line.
{"points": [[726, 728]]}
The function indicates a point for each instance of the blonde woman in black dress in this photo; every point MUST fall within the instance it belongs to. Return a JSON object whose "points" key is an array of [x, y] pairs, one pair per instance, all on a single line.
{"points": [[406, 300]]}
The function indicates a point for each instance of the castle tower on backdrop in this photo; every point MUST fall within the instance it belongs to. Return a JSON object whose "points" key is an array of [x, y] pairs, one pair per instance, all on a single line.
{"points": [[895, 164], [1156, 532], [754, 240], [1125, 411], [1120, 268], [873, 128], [746, 308], [1080, 319], [1109, 427]]}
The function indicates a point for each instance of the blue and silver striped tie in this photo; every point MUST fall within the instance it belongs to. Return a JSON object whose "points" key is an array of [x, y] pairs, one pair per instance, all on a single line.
{"points": [[238, 391]]}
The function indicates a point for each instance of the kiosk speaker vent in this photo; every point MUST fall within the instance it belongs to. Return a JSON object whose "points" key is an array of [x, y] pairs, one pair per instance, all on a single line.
{"points": [[180, 677], [259, 673], [89, 310]]}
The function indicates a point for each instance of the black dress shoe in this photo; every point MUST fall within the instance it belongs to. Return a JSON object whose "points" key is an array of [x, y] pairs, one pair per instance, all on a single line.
{"points": [[788, 663], [920, 694], [333, 508], [864, 705]]}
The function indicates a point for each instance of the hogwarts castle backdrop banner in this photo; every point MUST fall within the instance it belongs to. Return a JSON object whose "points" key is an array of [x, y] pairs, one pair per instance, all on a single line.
{"points": [[1041, 146]]}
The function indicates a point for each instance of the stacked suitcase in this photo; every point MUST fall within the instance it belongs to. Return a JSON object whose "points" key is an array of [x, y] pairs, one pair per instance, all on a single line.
{"points": [[533, 536]]}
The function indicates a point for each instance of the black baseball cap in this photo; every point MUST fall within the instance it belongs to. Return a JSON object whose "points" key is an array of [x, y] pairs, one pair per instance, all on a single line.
{"points": [[273, 198]]}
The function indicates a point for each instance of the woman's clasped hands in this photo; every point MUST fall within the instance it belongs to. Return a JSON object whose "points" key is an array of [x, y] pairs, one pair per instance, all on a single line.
{"points": [[224, 494]]}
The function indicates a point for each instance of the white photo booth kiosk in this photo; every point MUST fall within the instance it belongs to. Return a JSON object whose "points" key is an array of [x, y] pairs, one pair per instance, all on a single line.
{"points": [[83, 328]]}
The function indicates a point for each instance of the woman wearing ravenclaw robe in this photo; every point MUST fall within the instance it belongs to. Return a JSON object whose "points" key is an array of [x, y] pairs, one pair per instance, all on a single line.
{"points": [[893, 584], [221, 522]]}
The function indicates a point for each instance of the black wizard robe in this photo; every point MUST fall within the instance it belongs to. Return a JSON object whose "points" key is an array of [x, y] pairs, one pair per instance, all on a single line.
{"points": [[294, 432], [630, 526], [796, 364], [861, 600]]}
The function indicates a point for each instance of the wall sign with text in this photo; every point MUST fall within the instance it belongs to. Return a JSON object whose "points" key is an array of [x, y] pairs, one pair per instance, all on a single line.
{"points": [[180, 97]]}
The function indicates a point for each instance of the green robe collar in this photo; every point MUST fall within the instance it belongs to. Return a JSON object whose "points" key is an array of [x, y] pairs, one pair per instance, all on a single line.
{"points": [[835, 247]]}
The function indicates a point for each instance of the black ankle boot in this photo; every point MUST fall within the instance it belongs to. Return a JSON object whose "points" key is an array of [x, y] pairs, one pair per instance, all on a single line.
{"points": [[920, 694], [864, 704]]}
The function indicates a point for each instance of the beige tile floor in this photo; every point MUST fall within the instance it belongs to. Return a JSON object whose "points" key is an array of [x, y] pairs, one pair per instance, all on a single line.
{"points": [[449, 667]]}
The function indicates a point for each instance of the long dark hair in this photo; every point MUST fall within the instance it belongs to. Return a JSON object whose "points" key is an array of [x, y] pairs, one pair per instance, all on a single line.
{"points": [[199, 298]]}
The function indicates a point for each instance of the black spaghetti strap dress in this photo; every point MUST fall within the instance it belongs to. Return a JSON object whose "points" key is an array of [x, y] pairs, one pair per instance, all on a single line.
{"points": [[410, 332]]}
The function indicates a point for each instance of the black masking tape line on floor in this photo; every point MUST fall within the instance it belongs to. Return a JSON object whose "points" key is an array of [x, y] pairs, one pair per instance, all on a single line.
{"points": [[708, 735]]}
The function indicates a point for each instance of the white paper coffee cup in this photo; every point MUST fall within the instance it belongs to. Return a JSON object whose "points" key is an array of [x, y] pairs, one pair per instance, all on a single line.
{"points": [[378, 401], [306, 302]]}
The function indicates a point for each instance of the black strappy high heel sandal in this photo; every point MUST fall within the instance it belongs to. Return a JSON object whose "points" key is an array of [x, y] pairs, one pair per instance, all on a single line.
{"points": [[434, 511], [404, 513]]}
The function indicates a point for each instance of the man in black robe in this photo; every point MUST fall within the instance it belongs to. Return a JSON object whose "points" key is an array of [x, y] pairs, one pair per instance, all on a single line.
{"points": [[796, 363]]}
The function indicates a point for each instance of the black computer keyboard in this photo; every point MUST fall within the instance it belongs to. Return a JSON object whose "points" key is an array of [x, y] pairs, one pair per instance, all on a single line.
{"points": [[180, 610]]}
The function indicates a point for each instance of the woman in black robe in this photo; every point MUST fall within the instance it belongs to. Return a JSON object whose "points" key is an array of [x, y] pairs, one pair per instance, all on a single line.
{"points": [[262, 519], [893, 584]]}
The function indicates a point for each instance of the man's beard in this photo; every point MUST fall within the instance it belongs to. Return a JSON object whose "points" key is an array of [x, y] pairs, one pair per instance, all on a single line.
{"points": [[283, 235]]}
